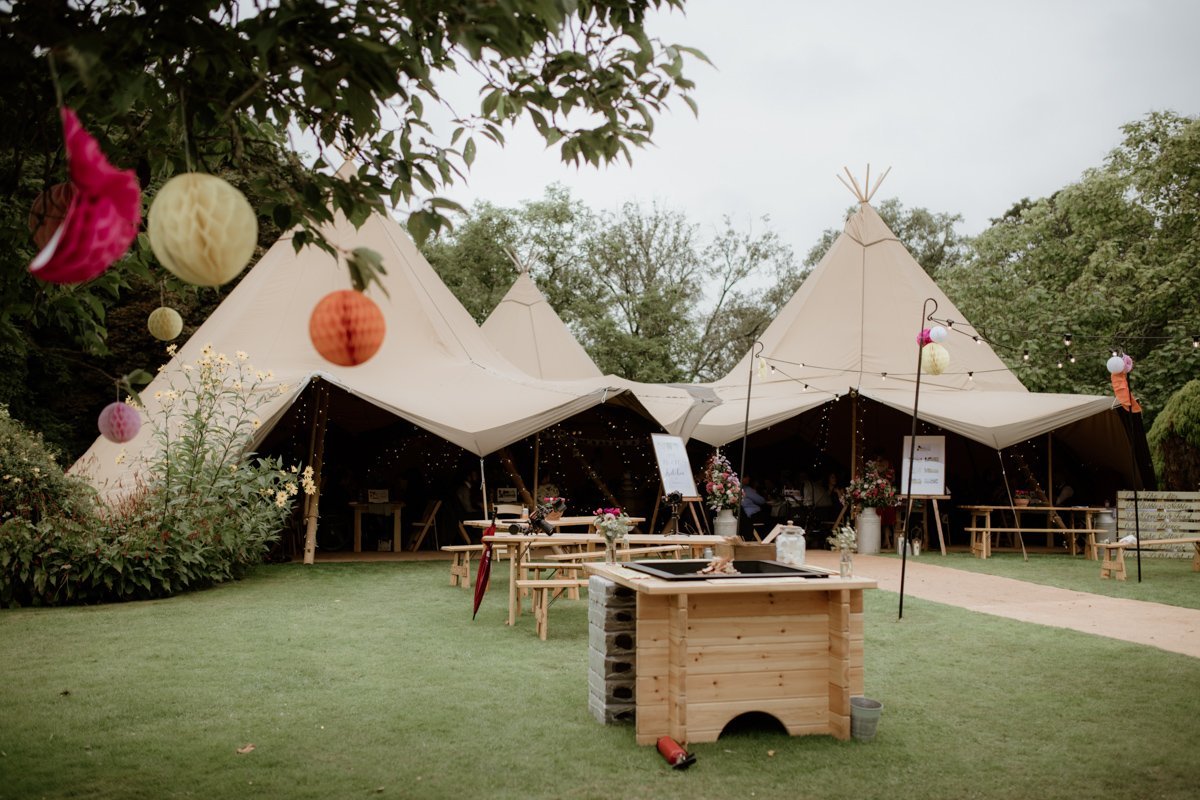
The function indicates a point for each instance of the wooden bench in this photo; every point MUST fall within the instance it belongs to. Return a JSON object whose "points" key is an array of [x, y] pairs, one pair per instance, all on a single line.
{"points": [[564, 569], [1113, 565], [460, 561], [624, 554], [543, 592], [981, 542]]}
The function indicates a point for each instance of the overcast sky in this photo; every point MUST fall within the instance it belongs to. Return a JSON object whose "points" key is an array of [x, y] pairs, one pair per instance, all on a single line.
{"points": [[973, 106]]}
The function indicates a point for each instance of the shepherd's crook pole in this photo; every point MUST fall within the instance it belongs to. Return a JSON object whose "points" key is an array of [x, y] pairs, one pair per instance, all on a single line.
{"points": [[754, 353], [926, 313]]}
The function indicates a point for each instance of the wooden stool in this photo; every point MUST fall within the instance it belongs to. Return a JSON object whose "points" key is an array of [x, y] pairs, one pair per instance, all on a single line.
{"points": [[1113, 565], [543, 592]]}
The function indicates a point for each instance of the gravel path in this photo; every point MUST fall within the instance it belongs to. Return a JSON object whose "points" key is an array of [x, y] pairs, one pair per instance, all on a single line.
{"points": [[1166, 627]]}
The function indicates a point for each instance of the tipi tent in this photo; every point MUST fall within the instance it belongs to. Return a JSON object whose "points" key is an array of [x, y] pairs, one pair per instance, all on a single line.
{"points": [[435, 368], [851, 328], [526, 330]]}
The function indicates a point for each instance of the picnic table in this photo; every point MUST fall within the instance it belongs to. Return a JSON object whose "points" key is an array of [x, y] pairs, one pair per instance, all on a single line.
{"points": [[1058, 519]]}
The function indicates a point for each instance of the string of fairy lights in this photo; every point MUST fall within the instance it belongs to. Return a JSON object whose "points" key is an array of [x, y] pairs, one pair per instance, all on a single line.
{"points": [[1072, 352]]}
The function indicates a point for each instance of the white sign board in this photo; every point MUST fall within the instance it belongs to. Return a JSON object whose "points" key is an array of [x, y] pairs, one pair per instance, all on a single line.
{"points": [[673, 466], [929, 475]]}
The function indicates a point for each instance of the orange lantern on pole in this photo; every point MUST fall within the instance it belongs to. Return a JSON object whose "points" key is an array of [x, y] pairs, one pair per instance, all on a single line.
{"points": [[346, 327]]}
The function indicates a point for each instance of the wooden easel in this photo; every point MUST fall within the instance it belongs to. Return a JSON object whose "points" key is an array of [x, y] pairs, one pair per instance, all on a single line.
{"points": [[690, 503], [937, 515]]}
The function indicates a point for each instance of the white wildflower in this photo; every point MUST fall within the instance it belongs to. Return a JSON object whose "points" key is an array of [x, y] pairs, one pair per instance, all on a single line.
{"points": [[281, 498], [241, 355]]}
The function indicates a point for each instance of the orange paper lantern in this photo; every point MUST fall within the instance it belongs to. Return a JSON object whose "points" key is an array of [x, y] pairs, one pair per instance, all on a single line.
{"points": [[48, 211], [346, 327]]}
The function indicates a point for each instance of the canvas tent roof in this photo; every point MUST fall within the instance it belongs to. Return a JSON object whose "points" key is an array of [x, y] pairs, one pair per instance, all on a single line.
{"points": [[852, 326], [525, 328], [435, 368]]}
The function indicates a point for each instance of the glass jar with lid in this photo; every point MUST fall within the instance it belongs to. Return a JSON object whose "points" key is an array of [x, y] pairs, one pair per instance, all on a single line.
{"points": [[789, 545]]}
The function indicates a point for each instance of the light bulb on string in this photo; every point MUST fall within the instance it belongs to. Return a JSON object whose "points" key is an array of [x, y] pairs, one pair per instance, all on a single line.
{"points": [[971, 376], [1196, 342], [1071, 358], [1067, 339], [1025, 355], [1060, 364]]}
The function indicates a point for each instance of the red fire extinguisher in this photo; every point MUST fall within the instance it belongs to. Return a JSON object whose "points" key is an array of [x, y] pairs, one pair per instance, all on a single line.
{"points": [[675, 755]]}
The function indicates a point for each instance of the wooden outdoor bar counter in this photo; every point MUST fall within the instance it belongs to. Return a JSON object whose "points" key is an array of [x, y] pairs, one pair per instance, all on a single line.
{"points": [[710, 650]]}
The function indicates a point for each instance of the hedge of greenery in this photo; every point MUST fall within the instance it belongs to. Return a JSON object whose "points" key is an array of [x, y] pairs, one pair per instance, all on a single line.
{"points": [[204, 512]]}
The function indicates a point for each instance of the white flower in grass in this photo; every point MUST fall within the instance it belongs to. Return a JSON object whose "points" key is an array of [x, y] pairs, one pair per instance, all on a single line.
{"points": [[120, 459]]}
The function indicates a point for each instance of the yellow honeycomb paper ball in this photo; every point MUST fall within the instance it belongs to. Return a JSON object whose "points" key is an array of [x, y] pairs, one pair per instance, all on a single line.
{"points": [[202, 229]]}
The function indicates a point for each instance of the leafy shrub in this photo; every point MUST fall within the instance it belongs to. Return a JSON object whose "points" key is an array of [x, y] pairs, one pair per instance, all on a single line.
{"points": [[206, 512], [1174, 440], [32, 484]]}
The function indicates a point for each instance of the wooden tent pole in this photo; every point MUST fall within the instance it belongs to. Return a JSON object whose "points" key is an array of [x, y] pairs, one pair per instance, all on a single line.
{"points": [[316, 460], [537, 446], [511, 468]]}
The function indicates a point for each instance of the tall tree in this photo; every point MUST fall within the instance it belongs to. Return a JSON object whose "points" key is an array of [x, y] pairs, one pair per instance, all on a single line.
{"points": [[1109, 260], [221, 86]]}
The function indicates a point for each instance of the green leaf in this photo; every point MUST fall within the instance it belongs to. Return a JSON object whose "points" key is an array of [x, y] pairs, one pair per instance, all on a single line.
{"points": [[469, 151]]}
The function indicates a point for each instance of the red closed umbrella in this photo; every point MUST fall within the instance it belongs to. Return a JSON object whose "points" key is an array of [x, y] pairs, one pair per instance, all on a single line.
{"points": [[485, 569]]}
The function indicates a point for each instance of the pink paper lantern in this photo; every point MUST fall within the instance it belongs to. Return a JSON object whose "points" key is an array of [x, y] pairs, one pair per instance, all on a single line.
{"points": [[102, 218], [119, 422], [923, 337], [346, 327], [1128, 363]]}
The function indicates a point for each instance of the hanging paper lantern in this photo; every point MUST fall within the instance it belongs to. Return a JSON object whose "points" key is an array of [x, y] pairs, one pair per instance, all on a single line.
{"points": [[346, 327], [119, 422], [165, 323], [202, 229], [48, 211], [938, 334], [1128, 362], [923, 337], [934, 359], [1116, 365], [102, 216]]}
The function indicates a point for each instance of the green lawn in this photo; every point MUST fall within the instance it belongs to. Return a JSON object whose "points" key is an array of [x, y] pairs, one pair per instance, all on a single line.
{"points": [[357, 680], [1164, 580]]}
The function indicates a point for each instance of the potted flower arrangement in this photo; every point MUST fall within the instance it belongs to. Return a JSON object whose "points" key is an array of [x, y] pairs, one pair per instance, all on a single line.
{"points": [[874, 488], [871, 491], [613, 525], [724, 493], [1022, 497], [552, 507]]}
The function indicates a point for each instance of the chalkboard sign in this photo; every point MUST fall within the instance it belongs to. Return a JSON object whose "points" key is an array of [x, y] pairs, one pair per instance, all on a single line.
{"points": [[929, 476], [673, 466]]}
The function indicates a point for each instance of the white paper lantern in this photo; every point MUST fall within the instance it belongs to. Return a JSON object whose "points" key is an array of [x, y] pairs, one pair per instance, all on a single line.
{"points": [[202, 229], [934, 359], [1116, 365], [164, 323], [938, 334]]}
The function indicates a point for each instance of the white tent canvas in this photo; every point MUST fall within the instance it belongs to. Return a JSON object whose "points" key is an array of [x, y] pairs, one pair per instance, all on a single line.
{"points": [[526, 329], [852, 325], [435, 367]]}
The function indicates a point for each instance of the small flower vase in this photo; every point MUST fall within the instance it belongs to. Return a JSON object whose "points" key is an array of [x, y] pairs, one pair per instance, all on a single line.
{"points": [[846, 565], [610, 550]]}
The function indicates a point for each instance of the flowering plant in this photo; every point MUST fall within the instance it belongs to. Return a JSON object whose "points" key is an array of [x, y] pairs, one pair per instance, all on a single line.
{"points": [[722, 484], [874, 489], [844, 539], [1023, 494], [612, 523], [549, 505]]}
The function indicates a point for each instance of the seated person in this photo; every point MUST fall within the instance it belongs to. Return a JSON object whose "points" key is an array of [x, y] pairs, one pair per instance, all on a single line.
{"points": [[753, 504]]}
